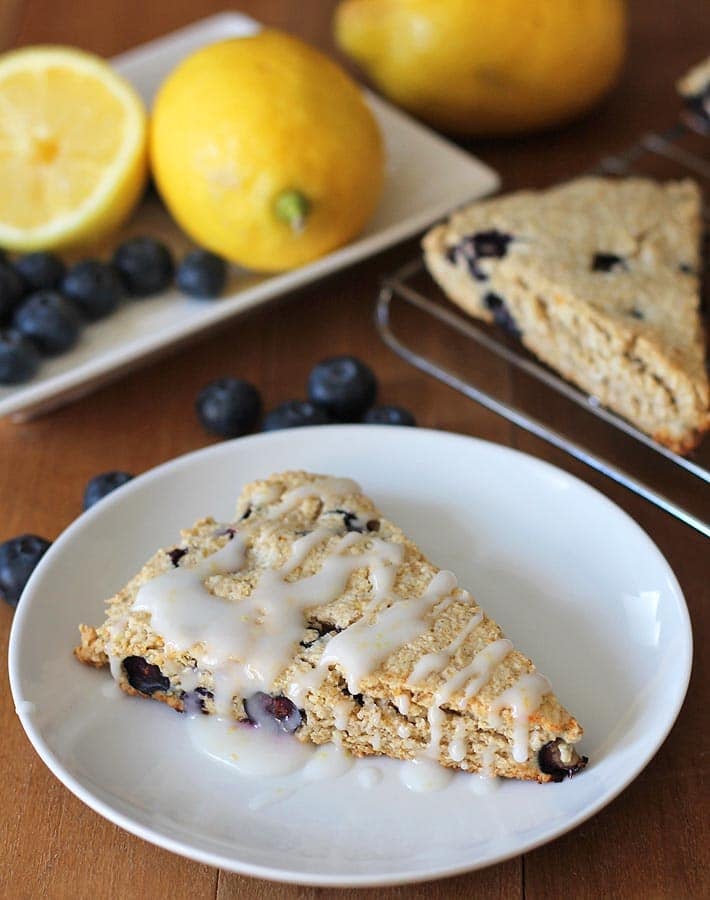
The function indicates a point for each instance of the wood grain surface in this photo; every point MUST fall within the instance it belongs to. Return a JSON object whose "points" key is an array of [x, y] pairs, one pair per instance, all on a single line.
{"points": [[651, 842]]}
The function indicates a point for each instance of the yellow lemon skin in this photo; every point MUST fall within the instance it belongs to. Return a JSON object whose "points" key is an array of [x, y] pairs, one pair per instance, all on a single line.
{"points": [[73, 149], [241, 126], [482, 67]]}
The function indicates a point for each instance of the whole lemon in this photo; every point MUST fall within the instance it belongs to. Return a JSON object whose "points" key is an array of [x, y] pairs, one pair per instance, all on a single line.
{"points": [[265, 151], [487, 66]]}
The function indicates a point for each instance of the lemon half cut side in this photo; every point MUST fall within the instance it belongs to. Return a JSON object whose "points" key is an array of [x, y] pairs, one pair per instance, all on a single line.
{"points": [[73, 149]]}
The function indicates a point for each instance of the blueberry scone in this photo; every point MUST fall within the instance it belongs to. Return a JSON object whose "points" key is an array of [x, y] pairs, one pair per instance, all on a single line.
{"points": [[313, 608], [599, 278], [694, 88]]}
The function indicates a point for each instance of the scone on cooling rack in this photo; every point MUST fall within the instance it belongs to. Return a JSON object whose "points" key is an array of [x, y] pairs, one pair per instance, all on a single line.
{"points": [[314, 609], [599, 278]]}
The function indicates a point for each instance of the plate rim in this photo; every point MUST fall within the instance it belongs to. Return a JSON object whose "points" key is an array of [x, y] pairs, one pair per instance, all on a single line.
{"points": [[35, 397], [292, 876]]}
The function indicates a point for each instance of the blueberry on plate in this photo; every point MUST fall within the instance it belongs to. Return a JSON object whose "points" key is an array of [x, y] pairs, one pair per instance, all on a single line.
{"points": [[344, 386], [229, 407], [94, 287], [40, 271], [19, 359], [12, 290], [145, 265], [295, 414], [18, 558], [49, 321], [103, 484], [202, 274], [389, 415]]}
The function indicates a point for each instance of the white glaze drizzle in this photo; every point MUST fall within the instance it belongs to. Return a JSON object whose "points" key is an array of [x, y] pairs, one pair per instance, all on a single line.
{"points": [[435, 662], [361, 648], [522, 699]]}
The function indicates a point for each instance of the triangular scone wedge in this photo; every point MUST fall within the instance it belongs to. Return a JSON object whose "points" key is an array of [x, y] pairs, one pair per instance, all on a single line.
{"points": [[313, 608], [598, 278]]}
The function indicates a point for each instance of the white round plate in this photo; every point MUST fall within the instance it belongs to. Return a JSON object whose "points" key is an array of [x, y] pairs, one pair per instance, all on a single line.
{"points": [[570, 577]]}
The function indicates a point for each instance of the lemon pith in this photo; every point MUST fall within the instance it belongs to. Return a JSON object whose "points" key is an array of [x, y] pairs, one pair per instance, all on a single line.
{"points": [[265, 152], [73, 158]]}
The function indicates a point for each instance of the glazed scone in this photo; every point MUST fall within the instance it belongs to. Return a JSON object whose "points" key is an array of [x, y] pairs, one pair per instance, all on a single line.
{"points": [[313, 608], [599, 278], [694, 88]]}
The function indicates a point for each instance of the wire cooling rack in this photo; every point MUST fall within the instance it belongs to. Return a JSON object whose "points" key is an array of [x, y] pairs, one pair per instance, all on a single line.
{"points": [[676, 484]]}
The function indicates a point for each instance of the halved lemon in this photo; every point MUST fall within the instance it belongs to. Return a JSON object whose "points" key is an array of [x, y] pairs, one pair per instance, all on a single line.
{"points": [[73, 149]]}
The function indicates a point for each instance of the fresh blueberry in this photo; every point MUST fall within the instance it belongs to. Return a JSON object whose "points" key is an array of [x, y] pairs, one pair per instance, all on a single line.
{"points": [[12, 290], [18, 558], [344, 386], [229, 407], [49, 321], [202, 274], [103, 484], [145, 265], [144, 677], [261, 707], [19, 359], [606, 262], [294, 414], [94, 287], [389, 415], [40, 271]]}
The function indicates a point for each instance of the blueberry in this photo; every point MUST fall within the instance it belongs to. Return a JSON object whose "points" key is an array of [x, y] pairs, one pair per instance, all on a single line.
{"points": [[144, 677], [389, 415], [145, 265], [176, 554], [12, 290], [202, 274], [40, 271], [18, 558], [492, 244], [344, 386], [501, 314], [103, 484], [228, 407], [605, 262], [94, 287], [261, 707], [19, 359], [294, 414], [49, 321]]}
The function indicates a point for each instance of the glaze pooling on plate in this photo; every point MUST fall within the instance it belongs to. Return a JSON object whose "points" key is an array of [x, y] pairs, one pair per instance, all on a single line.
{"points": [[313, 609]]}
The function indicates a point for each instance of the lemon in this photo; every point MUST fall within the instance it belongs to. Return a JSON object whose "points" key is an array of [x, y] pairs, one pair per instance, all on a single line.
{"points": [[265, 151], [487, 66], [73, 148]]}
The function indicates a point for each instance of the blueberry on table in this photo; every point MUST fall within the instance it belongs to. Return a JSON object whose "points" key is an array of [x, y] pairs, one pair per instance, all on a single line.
{"points": [[40, 271], [103, 484], [145, 265], [94, 287], [344, 386], [19, 359], [295, 414], [18, 558], [202, 274], [49, 321], [12, 290], [389, 415], [228, 407]]}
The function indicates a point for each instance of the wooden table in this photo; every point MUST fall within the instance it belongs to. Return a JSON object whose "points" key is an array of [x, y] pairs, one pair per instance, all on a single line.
{"points": [[651, 842]]}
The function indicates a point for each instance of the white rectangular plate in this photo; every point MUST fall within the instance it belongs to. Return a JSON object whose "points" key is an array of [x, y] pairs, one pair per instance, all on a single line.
{"points": [[426, 176]]}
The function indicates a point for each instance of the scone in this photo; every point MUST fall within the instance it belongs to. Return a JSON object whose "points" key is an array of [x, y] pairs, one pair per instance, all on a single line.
{"points": [[694, 88], [314, 609], [599, 278]]}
